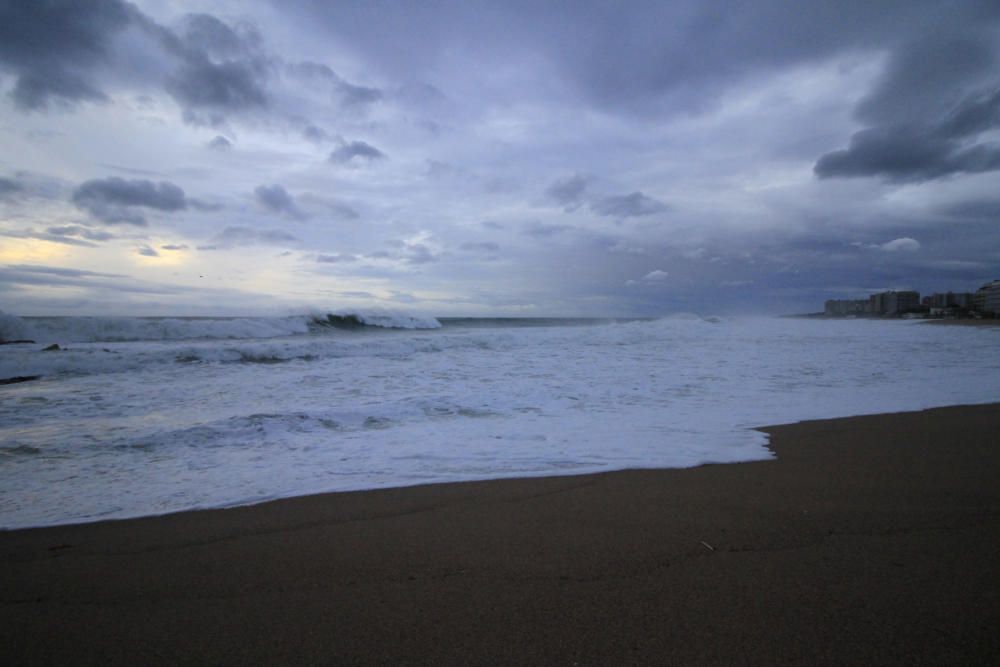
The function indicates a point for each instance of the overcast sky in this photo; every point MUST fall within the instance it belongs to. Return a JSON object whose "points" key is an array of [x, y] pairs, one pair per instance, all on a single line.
{"points": [[506, 158]]}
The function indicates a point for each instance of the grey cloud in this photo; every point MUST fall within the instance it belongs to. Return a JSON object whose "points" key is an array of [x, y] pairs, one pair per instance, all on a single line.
{"points": [[315, 134], [52, 48], [635, 204], [918, 152], [9, 188], [77, 230], [360, 150], [238, 236], [47, 236], [116, 200], [342, 210], [277, 200], [480, 246], [174, 247], [938, 94], [35, 275], [60, 271], [984, 209], [568, 192], [927, 74], [338, 258], [220, 143], [351, 96], [217, 88], [208, 33], [359, 96], [543, 230], [418, 253], [147, 251]]}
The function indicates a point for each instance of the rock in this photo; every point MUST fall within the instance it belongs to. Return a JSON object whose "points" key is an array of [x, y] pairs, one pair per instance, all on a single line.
{"points": [[52, 348], [16, 342]]}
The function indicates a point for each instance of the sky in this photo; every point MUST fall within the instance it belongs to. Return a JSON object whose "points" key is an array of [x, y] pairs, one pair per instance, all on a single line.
{"points": [[580, 158]]}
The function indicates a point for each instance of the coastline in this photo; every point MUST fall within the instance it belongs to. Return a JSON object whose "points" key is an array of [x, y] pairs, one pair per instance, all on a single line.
{"points": [[866, 540]]}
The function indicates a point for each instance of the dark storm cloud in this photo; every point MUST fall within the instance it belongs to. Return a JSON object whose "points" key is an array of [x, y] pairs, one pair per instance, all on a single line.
{"points": [[59, 50], [52, 47], [208, 33], [116, 200], [568, 192], [936, 98], [916, 152], [277, 200], [631, 205], [215, 88], [981, 209], [353, 151]]}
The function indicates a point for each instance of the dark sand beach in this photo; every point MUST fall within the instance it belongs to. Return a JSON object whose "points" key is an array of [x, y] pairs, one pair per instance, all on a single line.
{"points": [[868, 540]]}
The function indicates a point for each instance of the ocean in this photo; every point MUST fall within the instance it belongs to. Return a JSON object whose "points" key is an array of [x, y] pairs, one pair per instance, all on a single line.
{"points": [[141, 416]]}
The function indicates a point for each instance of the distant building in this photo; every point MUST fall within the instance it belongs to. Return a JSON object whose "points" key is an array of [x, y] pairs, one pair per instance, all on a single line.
{"points": [[987, 298], [893, 303], [845, 307], [950, 300]]}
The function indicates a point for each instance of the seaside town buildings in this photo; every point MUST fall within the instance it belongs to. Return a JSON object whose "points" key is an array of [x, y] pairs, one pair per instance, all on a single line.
{"points": [[983, 302]]}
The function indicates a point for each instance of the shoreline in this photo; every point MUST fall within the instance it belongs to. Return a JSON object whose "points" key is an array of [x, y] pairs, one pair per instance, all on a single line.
{"points": [[867, 539]]}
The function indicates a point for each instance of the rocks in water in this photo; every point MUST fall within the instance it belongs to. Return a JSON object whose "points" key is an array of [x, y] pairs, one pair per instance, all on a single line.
{"points": [[17, 342], [52, 348], [19, 378]]}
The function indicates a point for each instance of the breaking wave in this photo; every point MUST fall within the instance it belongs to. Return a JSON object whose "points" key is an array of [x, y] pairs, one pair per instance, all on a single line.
{"points": [[128, 329]]}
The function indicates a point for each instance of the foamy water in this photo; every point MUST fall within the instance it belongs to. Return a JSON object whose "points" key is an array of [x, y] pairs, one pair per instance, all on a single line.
{"points": [[150, 416]]}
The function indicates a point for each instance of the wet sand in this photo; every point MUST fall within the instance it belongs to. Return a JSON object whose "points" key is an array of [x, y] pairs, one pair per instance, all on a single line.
{"points": [[868, 540]]}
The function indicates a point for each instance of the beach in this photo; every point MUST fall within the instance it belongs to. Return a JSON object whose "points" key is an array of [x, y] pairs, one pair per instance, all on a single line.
{"points": [[866, 540]]}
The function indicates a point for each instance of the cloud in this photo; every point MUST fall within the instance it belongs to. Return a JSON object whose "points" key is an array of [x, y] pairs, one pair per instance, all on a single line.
{"points": [[239, 236], [116, 200], [77, 230], [220, 143], [338, 258], [62, 271], [927, 115], [568, 192], [543, 230], [480, 246], [52, 48], [352, 97], [277, 200], [9, 188], [651, 278], [355, 151], [174, 247], [147, 251], [47, 236], [904, 244], [631, 205]]}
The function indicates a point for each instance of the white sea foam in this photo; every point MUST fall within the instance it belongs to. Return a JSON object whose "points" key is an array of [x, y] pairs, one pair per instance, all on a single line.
{"points": [[117, 429]]}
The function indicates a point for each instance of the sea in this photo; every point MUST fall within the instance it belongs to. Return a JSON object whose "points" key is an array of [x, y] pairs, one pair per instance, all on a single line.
{"points": [[143, 416]]}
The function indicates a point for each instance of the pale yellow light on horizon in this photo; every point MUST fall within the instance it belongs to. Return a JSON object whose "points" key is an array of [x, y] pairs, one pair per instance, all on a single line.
{"points": [[20, 251]]}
